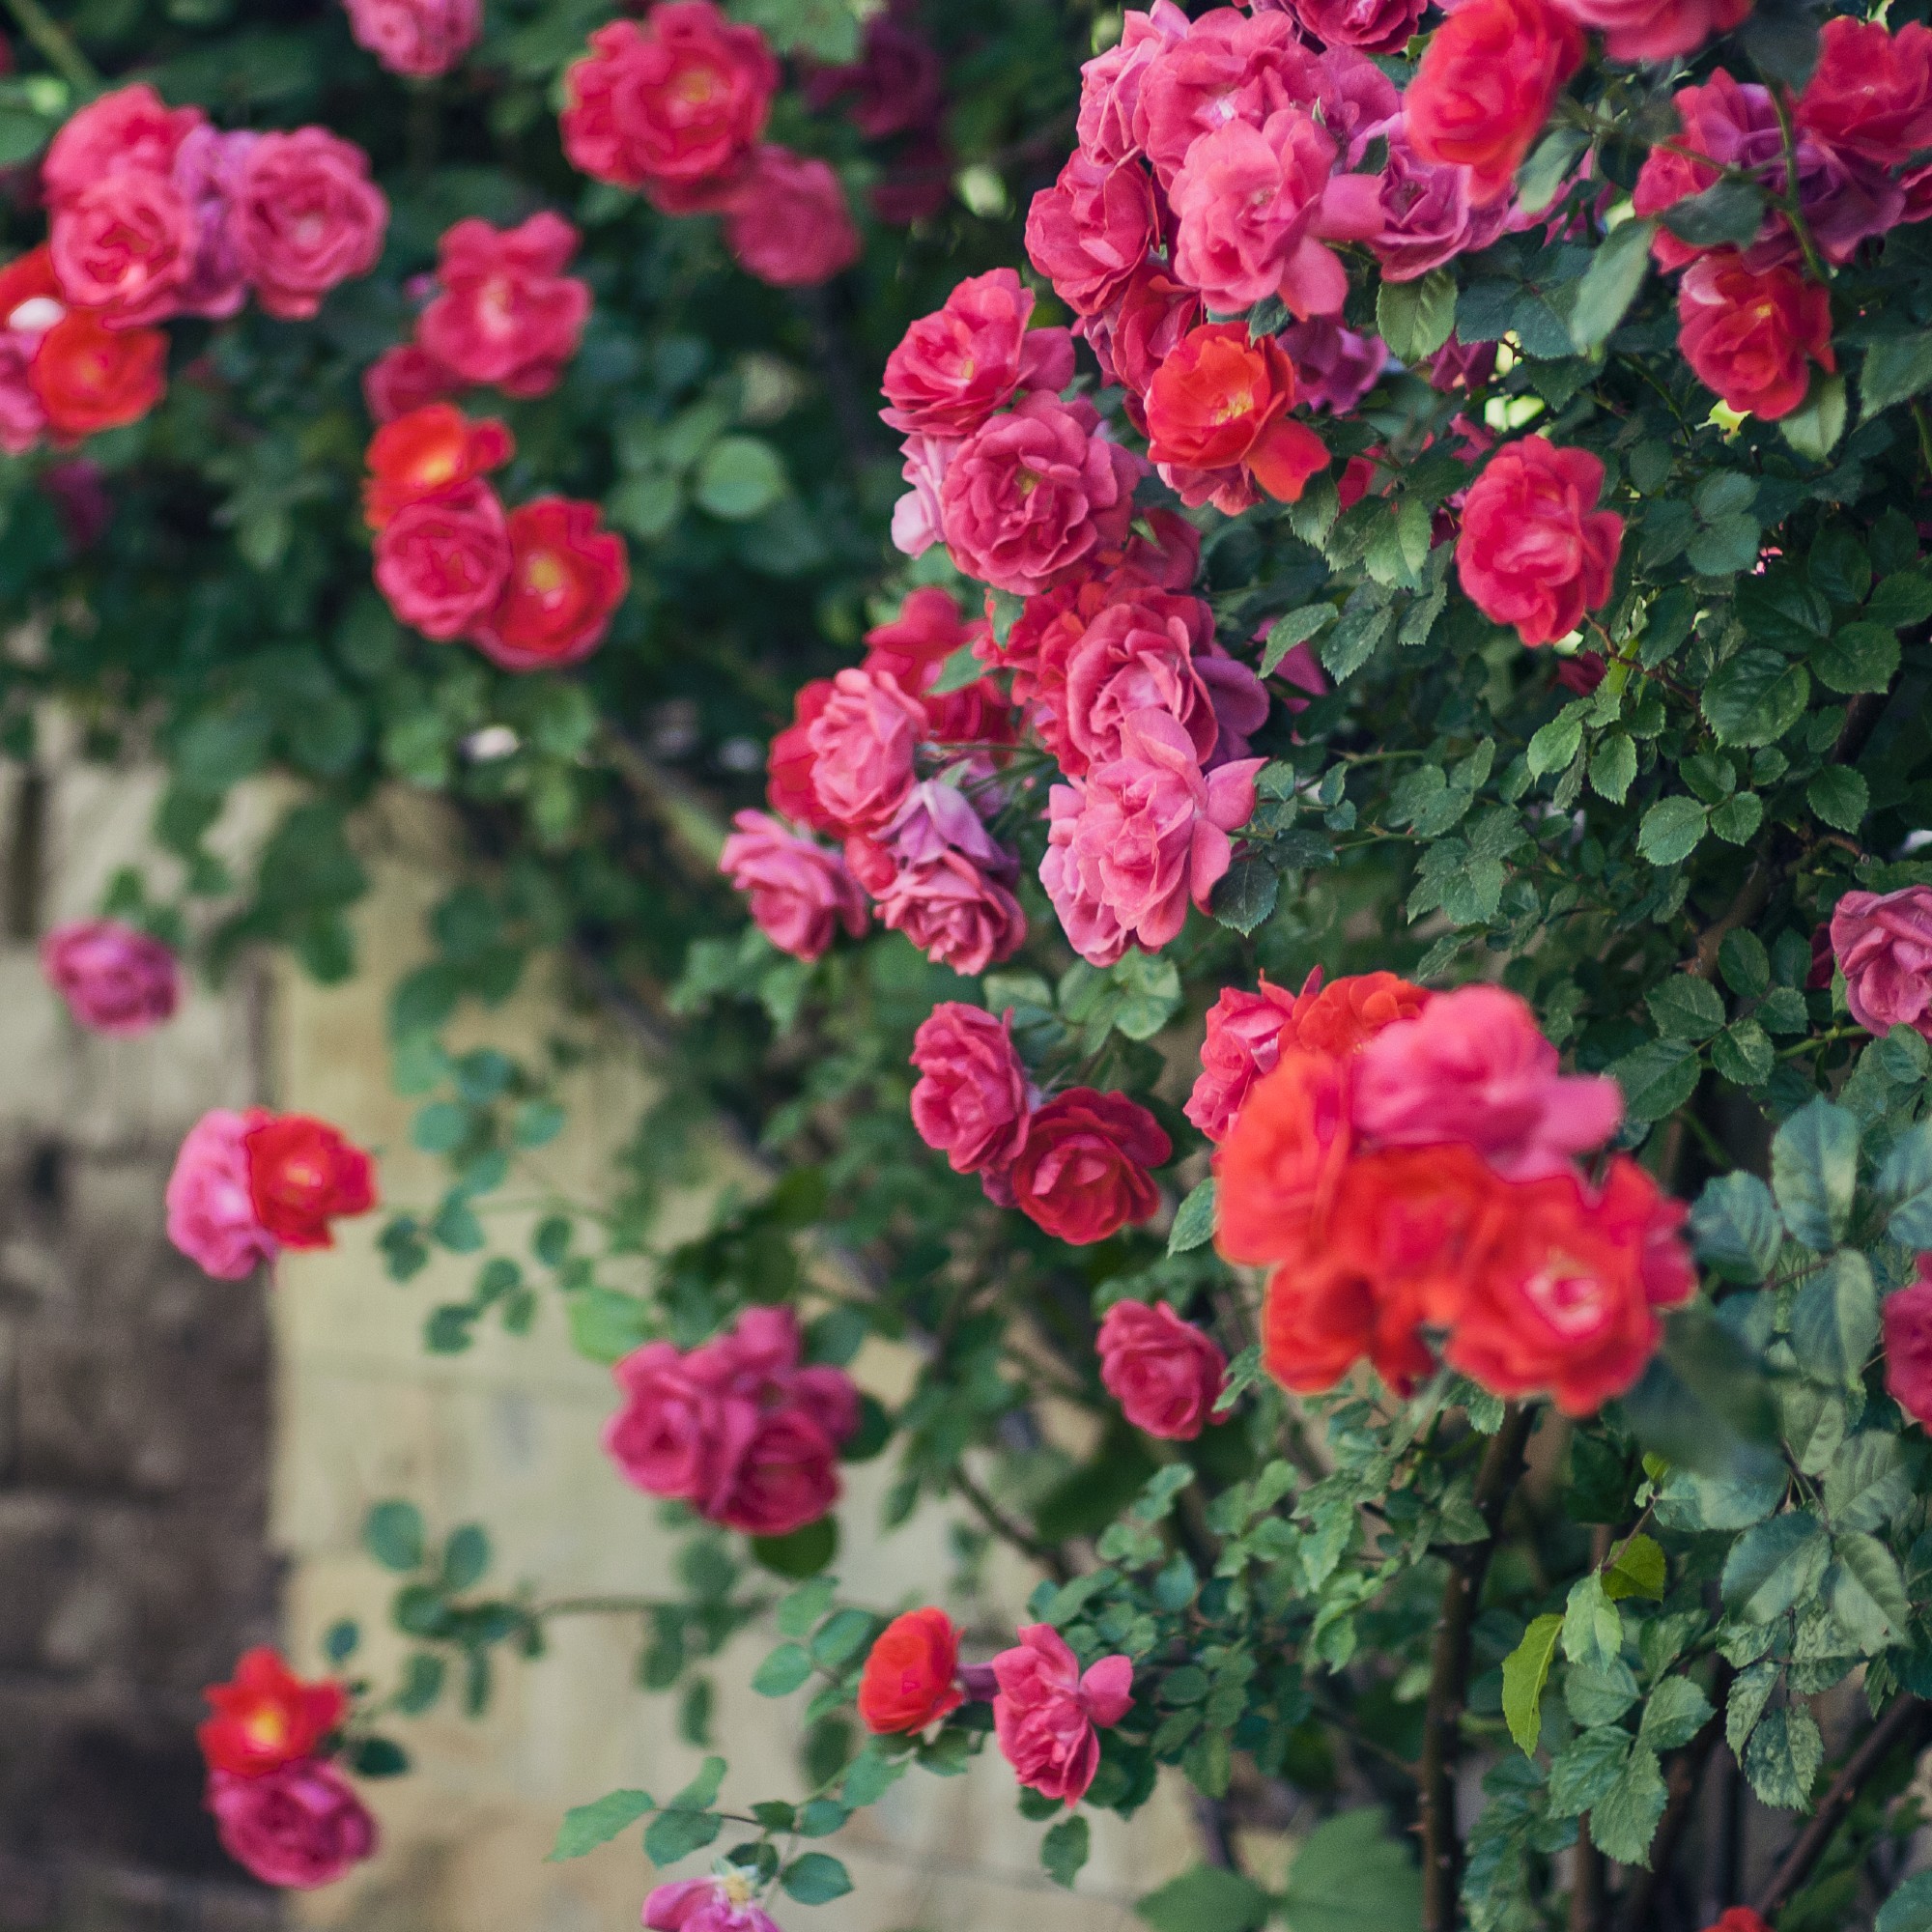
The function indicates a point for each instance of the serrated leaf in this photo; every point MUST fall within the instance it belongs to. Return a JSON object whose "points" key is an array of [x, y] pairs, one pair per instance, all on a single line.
{"points": [[1611, 283], [1613, 767], [1867, 1483], [1526, 1672], [1840, 796], [1868, 1596], [1294, 627], [1750, 1693], [1814, 1172], [586, 1826], [1593, 1633], [1623, 1821], [1735, 1221], [1835, 1320], [1895, 367], [1727, 213], [1673, 1714], [1782, 1757], [1673, 830], [1774, 1565], [1637, 1570], [1193, 1220], [1246, 895], [1756, 699], [1686, 1007], [1743, 1053], [1585, 1768]]}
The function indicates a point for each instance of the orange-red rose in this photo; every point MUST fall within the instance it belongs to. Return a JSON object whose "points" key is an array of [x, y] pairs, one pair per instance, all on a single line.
{"points": [[909, 1676], [567, 575]]}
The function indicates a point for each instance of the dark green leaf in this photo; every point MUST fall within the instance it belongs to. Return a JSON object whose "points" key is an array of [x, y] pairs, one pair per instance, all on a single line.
{"points": [[1064, 1850], [392, 1533], [586, 1826], [1814, 1171], [1194, 1219], [816, 1878]]}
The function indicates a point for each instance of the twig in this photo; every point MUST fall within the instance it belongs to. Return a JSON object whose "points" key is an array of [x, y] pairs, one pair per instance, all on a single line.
{"points": [[1685, 1780], [1008, 1530], [1794, 212], [56, 45]]}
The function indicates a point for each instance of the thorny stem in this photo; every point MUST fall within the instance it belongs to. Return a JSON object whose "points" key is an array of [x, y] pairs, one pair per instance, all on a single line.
{"points": [[56, 45], [1793, 212]]}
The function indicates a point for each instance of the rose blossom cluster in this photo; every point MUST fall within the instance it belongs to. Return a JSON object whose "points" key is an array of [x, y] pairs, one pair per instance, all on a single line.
{"points": [[736, 1428], [281, 1808], [1409, 1163], [115, 979], [902, 775], [503, 313], [247, 1186], [417, 38], [674, 107], [1076, 1164], [532, 590]]}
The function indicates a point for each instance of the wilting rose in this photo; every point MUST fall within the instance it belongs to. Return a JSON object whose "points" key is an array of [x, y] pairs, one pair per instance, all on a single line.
{"points": [[954, 367], [971, 1097], [1753, 337], [303, 1175], [507, 312], [1047, 1710], [1883, 944], [115, 980], [130, 128], [568, 574], [1227, 67], [1083, 1172], [800, 892], [909, 1678], [211, 1216], [123, 246], [306, 217], [1163, 1371], [266, 1717], [298, 1826], [787, 222], [1334, 367], [1090, 230], [441, 562], [417, 38]]}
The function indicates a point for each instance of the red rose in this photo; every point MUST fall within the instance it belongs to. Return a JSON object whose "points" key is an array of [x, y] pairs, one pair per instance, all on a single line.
{"points": [[299, 1827], [1163, 1371], [972, 1098], [674, 107], [1082, 1173], [863, 741], [1751, 337], [567, 575], [1535, 550], [914, 648], [306, 217], [1218, 427], [88, 377], [123, 246], [131, 128], [908, 1678], [507, 313], [1282, 1161], [266, 1717], [1090, 230], [955, 367], [404, 378], [1485, 86], [1376, 26], [1656, 30], [1870, 94], [442, 562], [1739, 1918], [432, 451], [787, 223], [790, 760], [301, 1175]]}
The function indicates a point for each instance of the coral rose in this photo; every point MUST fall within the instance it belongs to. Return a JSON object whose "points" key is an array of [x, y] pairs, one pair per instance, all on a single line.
{"points": [[1883, 945], [507, 313], [1092, 230], [298, 1826], [973, 1097], [130, 127], [1083, 1172], [1486, 85], [954, 367], [306, 217], [1534, 550], [441, 562], [1908, 1345], [417, 38], [1282, 1161], [114, 979], [706, 1905], [87, 377], [908, 1681], [1753, 337], [433, 451], [123, 246], [1046, 1711], [266, 1717], [301, 1175], [787, 222], [1870, 94], [799, 894], [568, 574], [211, 1216], [1163, 1371], [1655, 30]]}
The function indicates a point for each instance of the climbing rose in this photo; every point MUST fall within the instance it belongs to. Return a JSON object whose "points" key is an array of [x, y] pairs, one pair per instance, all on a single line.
{"points": [[441, 562], [1141, 654], [1281, 1160], [124, 245], [567, 576], [417, 38], [909, 1676], [507, 313], [208, 172], [790, 761], [1140, 328], [1870, 94], [211, 1216], [298, 1826], [914, 648], [87, 377], [863, 741], [1908, 1345], [1375, 26], [787, 222], [1083, 1172], [1883, 944], [1046, 1712], [706, 1905], [306, 217], [1534, 550], [1163, 1371], [1655, 30], [1111, 122], [800, 892], [114, 979], [1226, 68], [131, 128], [1750, 337], [266, 1717], [1428, 213], [954, 367], [955, 910], [971, 1097], [1092, 230], [301, 1175], [1485, 86], [432, 451]]}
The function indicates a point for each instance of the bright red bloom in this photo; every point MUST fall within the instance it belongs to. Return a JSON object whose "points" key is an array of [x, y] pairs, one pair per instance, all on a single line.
{"points": [[568, 574], [507, 313], [1164, 1372], [441, 562], [1753, 337], [1739, 1918], [1870, 94], [433, 451], [301, 1175], [1217, 419], [790, 760], [1082, 1173], [1485, 86], [265, 1717], [88, 377], [1282, 1159], [909, 1676]]}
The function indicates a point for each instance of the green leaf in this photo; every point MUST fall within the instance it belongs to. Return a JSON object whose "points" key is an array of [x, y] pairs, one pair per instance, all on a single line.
{"points": [[1593, 1633], [1193, 1220], [783, 1671], [1856, 657], [1743, 1053], [1756, 698], [1774, 1565], [1294, 627], [1814, 428], [1526, 1672], [1671, 830], [1064, 1850], [1735, 1221], [1835, 1320], [606, 1325], [1750, 1691], [1674, 1712], [377, 1757], [674, 1834], [1613, 767], [702, 1790], [1868, 1599], [1611, 282], [1548, 165], [1598, 1695], [1895, 367], [465, 1556], [816, 1878], [841, 1637], [1207, 1899], [586, 1826], [1637, 1570], [1840, 796], [1906, 1178], [1351, 1875], [1726, 213], [962, 667], [1814, 1171], [739, 478], [1866, 1484], [1150, 995], [1657, 1078], [1782, 1760], [1909, 1909], [1686, 1007], [1585, 1768], [1415, 318], [1623, 1821], [392, 1533], [1246, 895], [1555, 744], [1738, 818], [804, 1552]]}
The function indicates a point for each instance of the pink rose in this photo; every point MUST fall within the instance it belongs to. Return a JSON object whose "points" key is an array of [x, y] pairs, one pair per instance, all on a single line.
{"points": [[208, 171], [131, 128], [1334, 367], [1031, 494], [1227, 68], [298, 1826], [1430, 213], [405, 377], [1147, 832], [442, 562], [1112, 126], [124, 245], [916, 516], [1046, 1711], [1462, 365], [800, 892], [1655, 30], [787, 222], [863, 743], [973, 1096], [955, 367], [22, 419], [787, 1477], [1375, 26], [307, 216], [1163, 1371], [1139, 329], [1908, 1345], [706, 1905], [670, 1427], [1358, 101], [1473, 1066], [1883, 941], [1243, 1042], [507, 312], [419, 38], [1871, 94], [211, 1216], [1090, 230], [115, 980], [955, 912]]}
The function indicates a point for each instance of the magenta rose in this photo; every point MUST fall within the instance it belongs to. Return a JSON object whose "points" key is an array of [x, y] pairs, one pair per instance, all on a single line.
{"points": [[1163, 1371], [1908, 1345], [1031, 494], [115, 980], [130, 127], [208, 171], [307, 216], [786, 222], [1429, 214], [957, 913], [863, 743], [670, 1426], [955, 367], [1334, 367], [442, 562], [800, 892], [125, 245], [1092, 230], [706, 1905], [1375, 26], [1882, 943], [973, 1096], [1227, 68], [211, 1216], [1046, 1711], [298, 1827], [1112, 126], [787, 1477], [1243, 1042], [417, 38]]}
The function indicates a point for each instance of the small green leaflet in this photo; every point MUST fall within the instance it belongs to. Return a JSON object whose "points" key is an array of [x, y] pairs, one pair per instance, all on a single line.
{"points": [[1637, 1570], [1294, 628], [586, 1826], [1194, 1220], [1526, 1672]]}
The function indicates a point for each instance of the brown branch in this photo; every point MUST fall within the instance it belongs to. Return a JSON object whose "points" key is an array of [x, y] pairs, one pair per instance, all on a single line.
{"points": [[1683, 1783], [1502, 1469], [1909, 1721], [1008, 1530]]}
